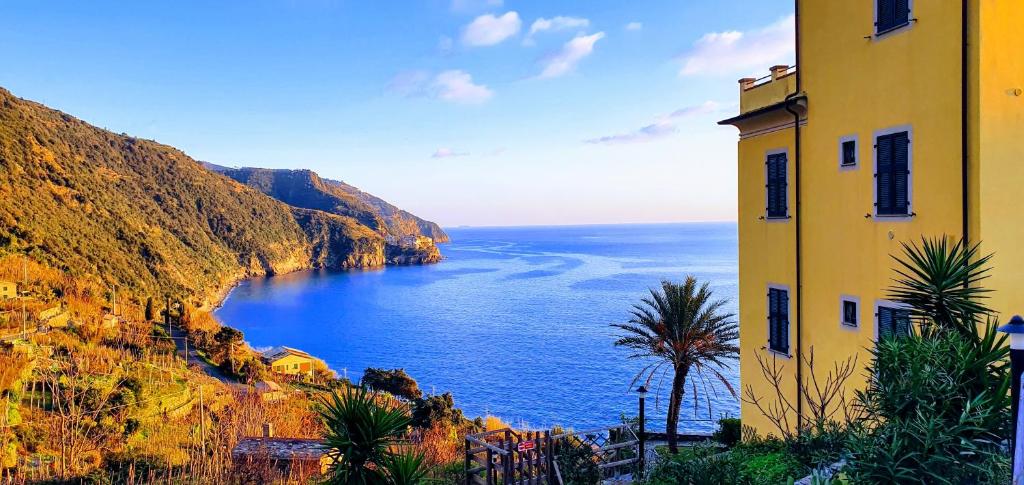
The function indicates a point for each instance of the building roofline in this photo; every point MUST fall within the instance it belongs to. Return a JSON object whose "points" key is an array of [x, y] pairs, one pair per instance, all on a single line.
{"points": [[760, 111]]}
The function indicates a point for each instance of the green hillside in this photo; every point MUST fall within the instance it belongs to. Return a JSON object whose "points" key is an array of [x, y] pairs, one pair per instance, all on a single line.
{"points": [[146, 217], [304, 188]]}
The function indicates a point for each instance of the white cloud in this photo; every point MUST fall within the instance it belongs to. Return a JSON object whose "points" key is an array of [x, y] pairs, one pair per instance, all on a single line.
{"points": [[555, 24], [732, 52], [488, 30], [463, 6], [662, 127], [445, 152], [457, 86], [565, 60], [454, 86], [634, 26]]}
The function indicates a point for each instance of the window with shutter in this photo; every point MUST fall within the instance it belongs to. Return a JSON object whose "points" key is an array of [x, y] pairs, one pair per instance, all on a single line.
{"points": [[891, 14], [892, 174], [775, 186], [893, 322], [778, 320]]}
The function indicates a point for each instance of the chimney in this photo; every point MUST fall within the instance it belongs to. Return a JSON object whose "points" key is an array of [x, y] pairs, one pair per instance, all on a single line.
{"points": [[746, 83], [779, 71], [268, 430]]}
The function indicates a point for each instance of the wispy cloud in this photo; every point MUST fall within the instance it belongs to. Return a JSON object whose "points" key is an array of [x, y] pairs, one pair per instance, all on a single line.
{"points": [[565, 60], [487, 30], [445, 152], [409, 83], [455, 86], [662, 127], [554, 24], [468, 6], [634, 26], [734, 52]]}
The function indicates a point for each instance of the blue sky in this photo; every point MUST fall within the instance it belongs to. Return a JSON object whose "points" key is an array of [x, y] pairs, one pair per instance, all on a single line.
{"points": [[466, 112]]}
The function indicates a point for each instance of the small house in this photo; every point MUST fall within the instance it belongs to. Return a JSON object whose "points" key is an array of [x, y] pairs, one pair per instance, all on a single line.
{"points": [[289, 361], [8, 289], [293, 456]]}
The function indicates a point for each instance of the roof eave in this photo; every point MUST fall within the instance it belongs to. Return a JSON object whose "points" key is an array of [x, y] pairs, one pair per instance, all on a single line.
{"points": [[764, 110]]}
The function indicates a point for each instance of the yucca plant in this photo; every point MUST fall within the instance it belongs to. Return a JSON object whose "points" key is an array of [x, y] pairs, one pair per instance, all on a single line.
{"points": [[939, 280], [404, 468], [686, 331], [363, 432]]}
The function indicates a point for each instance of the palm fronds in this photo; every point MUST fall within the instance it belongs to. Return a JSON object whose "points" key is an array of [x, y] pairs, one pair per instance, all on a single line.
{"points": [[683, 330], [362, 431], [939, 281]]}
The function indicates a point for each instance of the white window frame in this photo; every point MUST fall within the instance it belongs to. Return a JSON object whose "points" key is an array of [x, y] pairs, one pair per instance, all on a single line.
{"points": [[767, 154], [876, 35], [768, 320], [886, 304], [842, 314], [856, 153], [910, 175]]}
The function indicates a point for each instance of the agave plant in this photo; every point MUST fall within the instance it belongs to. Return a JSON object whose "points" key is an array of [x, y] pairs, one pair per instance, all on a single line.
{"points": [[363, 432], [688, 333], [939, 281]]}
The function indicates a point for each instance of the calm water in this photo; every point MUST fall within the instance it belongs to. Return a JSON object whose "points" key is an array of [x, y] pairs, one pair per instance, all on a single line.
{"points": [[515, 322]]}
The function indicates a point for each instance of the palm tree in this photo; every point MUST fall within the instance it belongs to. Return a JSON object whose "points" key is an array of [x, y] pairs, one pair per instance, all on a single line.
{"points": [[939, 280], [364, 434], [687, 332]]}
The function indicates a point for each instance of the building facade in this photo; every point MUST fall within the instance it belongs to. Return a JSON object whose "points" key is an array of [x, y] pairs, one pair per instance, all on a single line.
{"points": [[8, 289], [289, 361], [904, 119]]}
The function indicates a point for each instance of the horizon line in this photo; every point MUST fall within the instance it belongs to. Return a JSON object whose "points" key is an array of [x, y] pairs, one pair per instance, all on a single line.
{"points": [[586, 224]]}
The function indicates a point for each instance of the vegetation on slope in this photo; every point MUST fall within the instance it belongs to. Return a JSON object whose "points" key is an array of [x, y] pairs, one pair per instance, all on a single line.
{"points": [[305, 189], [142, 216], [399, 222]]}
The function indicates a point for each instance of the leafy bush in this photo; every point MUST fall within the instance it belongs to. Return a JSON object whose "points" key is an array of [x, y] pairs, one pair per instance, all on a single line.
{"points": [[729, 431], [819, 445], [436, 409], [762, 462], [392, 381], [935, 409], [696, 465], [576, 462]]}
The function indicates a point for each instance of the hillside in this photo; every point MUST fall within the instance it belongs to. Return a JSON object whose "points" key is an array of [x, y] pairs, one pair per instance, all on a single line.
{"points": [[399, 222], [304, 188], [143, 216]]}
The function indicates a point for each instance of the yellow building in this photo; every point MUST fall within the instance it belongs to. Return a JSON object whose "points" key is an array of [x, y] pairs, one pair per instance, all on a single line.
{"points": [[8, 289], [286, 360], [904, 119]]}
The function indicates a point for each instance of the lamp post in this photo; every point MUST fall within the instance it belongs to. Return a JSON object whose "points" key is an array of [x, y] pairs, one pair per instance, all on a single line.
{"points": [[1016, 330], [641, 434]]}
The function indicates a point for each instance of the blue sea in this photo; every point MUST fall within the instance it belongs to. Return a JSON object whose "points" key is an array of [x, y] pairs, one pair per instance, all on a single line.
{"points": [[514, 322]]}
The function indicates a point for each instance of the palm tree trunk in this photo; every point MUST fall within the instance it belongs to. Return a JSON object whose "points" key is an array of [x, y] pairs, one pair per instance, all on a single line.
{"points": [[675, 401]]}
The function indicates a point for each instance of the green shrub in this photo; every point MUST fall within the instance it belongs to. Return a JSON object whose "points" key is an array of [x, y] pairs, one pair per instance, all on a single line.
{"points": [[576, 462], [729, 431], [764, 462], [770, 468], [935, 410], [696, 465]]}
